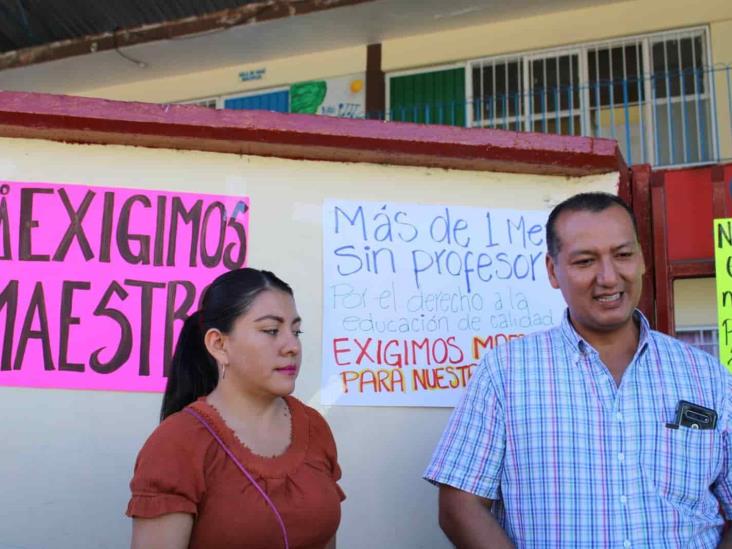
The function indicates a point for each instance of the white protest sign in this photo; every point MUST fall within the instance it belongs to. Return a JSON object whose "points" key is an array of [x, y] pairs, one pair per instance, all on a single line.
{"points": [[414, 294]]}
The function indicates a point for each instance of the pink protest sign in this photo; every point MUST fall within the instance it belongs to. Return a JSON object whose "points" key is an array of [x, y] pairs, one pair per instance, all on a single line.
{"points": [[95, 282]]}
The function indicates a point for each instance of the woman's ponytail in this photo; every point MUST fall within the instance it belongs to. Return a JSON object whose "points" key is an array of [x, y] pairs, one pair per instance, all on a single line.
{"points": [[192, 373]]}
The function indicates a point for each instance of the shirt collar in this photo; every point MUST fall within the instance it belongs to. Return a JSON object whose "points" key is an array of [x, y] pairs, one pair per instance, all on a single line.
{"points": [[578, 343]]}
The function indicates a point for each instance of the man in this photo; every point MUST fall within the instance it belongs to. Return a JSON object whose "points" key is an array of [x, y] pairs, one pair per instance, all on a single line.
{"points": [[571, 435]]}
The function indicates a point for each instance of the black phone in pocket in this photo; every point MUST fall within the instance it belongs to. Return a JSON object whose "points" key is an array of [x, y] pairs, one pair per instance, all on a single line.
{"points": [[694, 416]]}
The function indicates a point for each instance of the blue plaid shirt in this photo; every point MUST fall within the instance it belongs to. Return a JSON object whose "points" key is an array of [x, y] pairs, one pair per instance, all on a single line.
{"points": [[573, 460]]}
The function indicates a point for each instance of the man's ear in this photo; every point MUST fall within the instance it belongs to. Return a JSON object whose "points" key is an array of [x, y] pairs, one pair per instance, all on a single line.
{"points": [[550, 270], [215, 342]]}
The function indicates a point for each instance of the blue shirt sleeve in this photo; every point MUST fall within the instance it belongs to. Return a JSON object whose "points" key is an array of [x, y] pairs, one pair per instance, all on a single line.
{"points": [[722, 487], [470, 453]]}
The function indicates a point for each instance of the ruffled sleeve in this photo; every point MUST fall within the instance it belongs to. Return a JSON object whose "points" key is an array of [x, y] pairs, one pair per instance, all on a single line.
{"points": [[322, 441], [169, 471]]}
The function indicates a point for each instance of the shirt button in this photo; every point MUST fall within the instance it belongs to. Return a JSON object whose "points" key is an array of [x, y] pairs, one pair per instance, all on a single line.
{"points": [[623, 500], [621, 456], [626, 543], [619, 416]]}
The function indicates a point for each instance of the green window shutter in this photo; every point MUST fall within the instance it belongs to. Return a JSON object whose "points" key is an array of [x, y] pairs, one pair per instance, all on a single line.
{"points": [[429, 97]]}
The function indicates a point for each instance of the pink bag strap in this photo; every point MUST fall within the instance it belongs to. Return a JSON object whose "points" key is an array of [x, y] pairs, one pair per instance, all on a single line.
{"points": [[243, 470]]}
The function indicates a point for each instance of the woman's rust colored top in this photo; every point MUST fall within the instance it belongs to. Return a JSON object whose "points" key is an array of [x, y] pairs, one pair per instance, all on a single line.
{"points": [[182, 469]]}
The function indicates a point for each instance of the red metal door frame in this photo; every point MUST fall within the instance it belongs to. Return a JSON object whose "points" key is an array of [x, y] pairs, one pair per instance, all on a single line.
{"points": [[668, 270]]}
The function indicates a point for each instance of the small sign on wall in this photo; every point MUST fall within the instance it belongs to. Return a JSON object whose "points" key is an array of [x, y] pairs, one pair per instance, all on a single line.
{"points": [[255, 74], [95, 282], [723, 268]]}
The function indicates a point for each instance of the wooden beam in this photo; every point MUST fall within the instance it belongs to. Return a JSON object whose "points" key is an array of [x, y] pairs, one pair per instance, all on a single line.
{"points": [[375, 83]]}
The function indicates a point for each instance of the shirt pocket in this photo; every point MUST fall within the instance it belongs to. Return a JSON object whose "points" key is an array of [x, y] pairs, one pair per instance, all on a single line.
{"points": [[682, 464]]}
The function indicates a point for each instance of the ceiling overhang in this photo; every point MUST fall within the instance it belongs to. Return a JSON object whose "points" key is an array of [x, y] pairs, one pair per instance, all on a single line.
{"points": [[266, 10]]}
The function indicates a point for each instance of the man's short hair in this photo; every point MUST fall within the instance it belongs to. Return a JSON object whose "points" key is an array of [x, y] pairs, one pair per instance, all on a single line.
{"points": [[583, 202]]}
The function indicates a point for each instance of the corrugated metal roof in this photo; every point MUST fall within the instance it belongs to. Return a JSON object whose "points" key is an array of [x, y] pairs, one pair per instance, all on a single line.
{"points": [[27, 23]]}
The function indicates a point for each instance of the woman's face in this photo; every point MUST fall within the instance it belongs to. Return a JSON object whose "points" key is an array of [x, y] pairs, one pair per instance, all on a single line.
{"points": [[263, 349]]}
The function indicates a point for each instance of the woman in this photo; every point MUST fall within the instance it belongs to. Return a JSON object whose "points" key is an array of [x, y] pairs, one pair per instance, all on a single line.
{"points": [[228, 420]]}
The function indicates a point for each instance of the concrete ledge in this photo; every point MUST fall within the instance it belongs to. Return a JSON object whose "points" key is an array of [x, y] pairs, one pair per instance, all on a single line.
{"points": [[308, 137]]}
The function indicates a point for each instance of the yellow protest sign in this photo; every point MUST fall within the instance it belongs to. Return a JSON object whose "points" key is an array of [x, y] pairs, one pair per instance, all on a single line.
{"points": [[723, 267]]}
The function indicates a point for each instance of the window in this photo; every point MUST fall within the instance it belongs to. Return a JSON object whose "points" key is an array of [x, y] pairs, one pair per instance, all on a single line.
{"points": [[554, 98], [651, 93], [497, 86], [681, 100], [616, 94], [434, 97], [210, 102], [269, 100]]}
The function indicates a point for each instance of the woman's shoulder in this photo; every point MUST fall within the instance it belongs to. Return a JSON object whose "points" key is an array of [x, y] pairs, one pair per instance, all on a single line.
{"points": [[318, 427], [306, 411], [179, 431], [169, 471]]}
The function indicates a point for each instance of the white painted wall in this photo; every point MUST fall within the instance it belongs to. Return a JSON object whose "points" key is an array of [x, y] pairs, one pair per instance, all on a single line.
{"points": [[67, 456]]}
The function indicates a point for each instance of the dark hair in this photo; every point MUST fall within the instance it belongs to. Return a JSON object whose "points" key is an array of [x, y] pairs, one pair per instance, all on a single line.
{"points": [[583, 202], [193, 371]]}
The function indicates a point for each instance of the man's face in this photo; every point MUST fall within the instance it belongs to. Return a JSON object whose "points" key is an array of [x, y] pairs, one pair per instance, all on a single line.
{"points": [[599, 269]]}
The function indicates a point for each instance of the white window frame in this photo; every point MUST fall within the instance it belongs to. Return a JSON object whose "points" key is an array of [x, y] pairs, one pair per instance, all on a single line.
{"points": [[529, 115], [647, 119], [510, 122]]}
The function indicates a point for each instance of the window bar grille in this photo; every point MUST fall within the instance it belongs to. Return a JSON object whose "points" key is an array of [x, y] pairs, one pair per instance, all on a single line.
{"points": [[651, 152], [544, 92], [598, 120], [626, 108], [714, 127], [505, 95], [570, 94], [481, 82], [670, 128], [682, 91], [557, 95], [528, 96], [493, 94], [570, 120], [684, 118], [504, 101], [697, 93], [611, 85], [557, 101], [654, 103], [513, 101], [701, 129], [641, 102]]}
